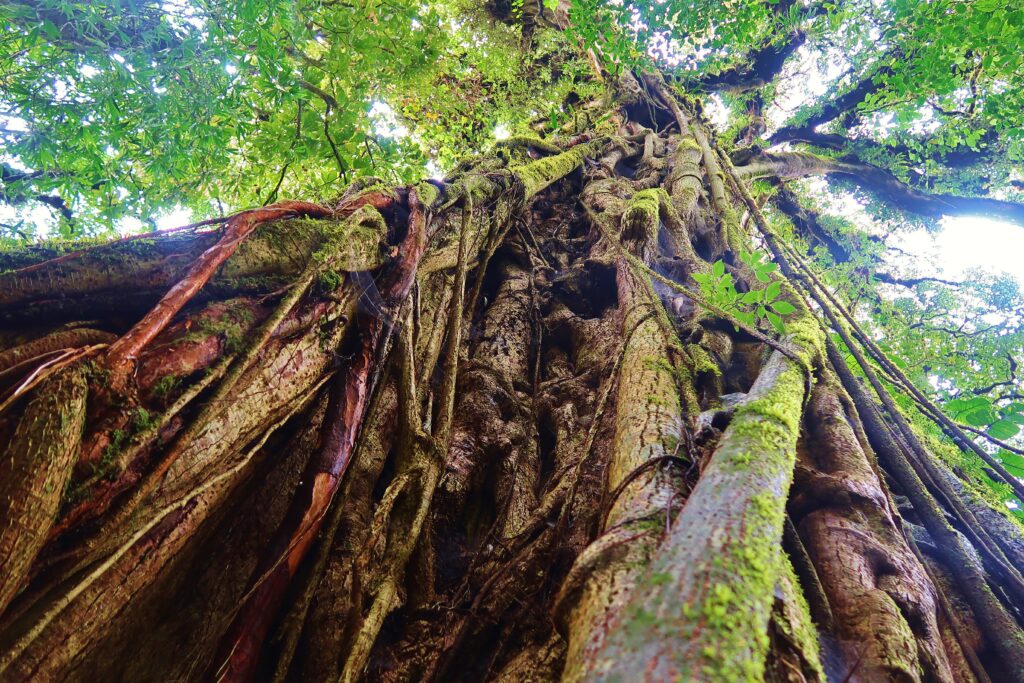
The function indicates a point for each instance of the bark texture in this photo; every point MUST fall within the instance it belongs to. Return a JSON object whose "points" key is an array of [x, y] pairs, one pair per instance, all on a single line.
{"points": [[485, 429]]}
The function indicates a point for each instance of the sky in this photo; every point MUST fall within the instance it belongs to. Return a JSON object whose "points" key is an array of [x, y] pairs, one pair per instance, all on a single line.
{"points": [[971, 242]]}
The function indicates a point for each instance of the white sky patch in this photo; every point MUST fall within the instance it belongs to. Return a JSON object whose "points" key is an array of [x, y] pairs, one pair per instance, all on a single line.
{"points": [[802, 82], [130, 225], [385, 122], [434, 171], [962, 243], [717, 112], [13, 124], [967, 242], [174, 219], [35, 216]]}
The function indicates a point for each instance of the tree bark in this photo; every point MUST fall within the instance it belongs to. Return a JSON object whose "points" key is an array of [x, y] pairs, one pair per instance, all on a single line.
{"points": [[485, 429]]}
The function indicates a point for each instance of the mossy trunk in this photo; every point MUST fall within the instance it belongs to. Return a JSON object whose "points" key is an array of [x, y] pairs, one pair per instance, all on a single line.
{"points": [[481, 429]]}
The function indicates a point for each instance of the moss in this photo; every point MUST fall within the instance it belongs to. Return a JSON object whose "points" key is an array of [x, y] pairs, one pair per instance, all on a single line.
{"points": [[97, 374], [539, 174], [142, 419], [428, 194], [325, 333], [795, 622], [74, 493], [701, 360], [761, 443], [355, 243], [641, 218], [757, 454], [231, 326], [329, 280], [166, 386], [527, 141], [736, 612], [107, 467]]}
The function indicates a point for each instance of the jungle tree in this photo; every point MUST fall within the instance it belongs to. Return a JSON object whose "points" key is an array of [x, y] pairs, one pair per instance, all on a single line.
{"points": [[618, 398]]}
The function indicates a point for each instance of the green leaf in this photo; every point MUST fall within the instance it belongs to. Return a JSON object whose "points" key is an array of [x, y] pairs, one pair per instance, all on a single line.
{"points": [[961, 406], [783, 307], [777, 323], [772, 291], [1003, 429], [979, 418], [718, 269], [747, 318], [753, 296]]}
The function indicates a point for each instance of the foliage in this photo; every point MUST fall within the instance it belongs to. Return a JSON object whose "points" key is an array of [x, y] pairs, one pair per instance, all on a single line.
{"points": [[753, 306]]}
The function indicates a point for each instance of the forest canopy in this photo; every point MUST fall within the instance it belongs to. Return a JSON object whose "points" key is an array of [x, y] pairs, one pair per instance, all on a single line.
{"points": [[125, 109]]}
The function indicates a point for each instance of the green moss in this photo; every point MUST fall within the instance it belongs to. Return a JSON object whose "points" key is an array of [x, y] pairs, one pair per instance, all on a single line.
{"points": [[329, 280], [231, 325], [701, 360], [355, 243], [166, 386], [737, 612], [527, 141], [796, 622], [428, 194], [142, 419], [107, 466], [539, 174], [640, 220]]}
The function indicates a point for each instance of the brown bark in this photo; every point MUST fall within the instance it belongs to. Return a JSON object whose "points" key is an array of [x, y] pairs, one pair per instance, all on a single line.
{"points": [[487, 430]]}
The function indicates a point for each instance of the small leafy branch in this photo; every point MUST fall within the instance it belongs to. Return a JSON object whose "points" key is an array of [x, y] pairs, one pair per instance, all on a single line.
{"points": [[752, 307], [999, 422]]}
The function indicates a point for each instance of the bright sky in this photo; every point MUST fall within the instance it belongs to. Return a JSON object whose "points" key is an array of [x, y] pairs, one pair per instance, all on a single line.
{"points": [[967, 242]]}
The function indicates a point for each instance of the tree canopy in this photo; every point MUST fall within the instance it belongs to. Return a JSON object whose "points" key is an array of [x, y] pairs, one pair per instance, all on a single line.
{"points": [[129, 109]]}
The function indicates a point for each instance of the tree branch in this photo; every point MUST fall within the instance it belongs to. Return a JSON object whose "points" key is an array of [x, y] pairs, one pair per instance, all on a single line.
{"points": [[880, 183], [760, 67], [321, 93], [832, 109]]}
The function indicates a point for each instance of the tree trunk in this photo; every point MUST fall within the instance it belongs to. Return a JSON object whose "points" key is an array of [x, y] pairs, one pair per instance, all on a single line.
{"points": [[482, 429]]}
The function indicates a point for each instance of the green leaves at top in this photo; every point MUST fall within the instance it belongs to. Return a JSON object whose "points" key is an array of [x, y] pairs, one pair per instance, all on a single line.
{"points": [[999, 422]]}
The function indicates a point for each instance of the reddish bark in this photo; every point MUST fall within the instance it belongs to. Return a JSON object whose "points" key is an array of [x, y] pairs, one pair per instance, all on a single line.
{"points": [[240, 647], [122, 354]]}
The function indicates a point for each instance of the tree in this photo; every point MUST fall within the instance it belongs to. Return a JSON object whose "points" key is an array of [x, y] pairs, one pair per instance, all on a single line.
{"points": [[619, 398]]}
